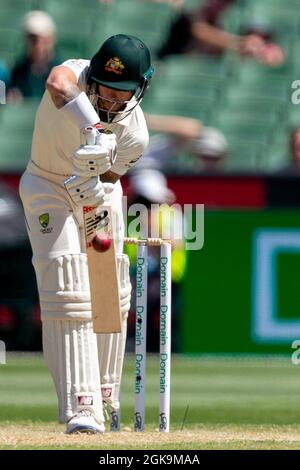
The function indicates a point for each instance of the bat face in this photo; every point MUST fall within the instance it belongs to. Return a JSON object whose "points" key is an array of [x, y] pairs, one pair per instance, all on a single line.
{"points": [[102, 266], [103, 275]]}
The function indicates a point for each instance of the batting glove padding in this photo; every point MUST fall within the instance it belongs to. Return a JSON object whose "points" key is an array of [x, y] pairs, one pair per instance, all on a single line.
{"points": [[91, 160], [85, 191]]}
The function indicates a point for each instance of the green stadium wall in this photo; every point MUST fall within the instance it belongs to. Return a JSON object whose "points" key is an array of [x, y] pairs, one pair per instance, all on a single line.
{"points": [[242, 290]]}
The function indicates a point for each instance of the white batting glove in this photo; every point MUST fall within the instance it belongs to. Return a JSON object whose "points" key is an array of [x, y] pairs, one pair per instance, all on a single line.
{"points": [[92, 160], [85, 191], [108, 189], [125, 299], [125, 284]]}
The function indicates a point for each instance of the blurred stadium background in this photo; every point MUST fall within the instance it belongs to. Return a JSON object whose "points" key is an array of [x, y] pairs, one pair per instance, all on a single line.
{"points": [[240, 292], [249, 102]]}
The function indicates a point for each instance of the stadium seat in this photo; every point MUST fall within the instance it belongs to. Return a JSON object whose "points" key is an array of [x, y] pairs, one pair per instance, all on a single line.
{"points": [[272, 9], [243, 98], [264, 87], [251, 114], [190, 106], [16, 128], [242, 127], [250, 71], [231, 19], [192, 66], [18, 119], [244, 155], [76, 19], [11, 15], [15, 151], [201, 88], [11, 45], [89, 4], [277, 152], [296, 57], [72, 46], [294, 115], [192, 4], [240, 100], [147, 20], [146, 12]]}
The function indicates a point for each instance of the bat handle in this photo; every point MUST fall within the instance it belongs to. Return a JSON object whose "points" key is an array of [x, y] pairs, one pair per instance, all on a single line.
{"points": [[91, 133]]}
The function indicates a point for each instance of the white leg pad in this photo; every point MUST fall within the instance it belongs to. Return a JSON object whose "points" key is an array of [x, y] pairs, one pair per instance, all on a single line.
{"points": [[64, 286], [70, 350], [111, 347], [69, 343]]}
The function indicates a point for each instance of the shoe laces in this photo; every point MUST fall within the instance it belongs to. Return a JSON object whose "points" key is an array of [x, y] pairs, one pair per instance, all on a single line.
{"points": [[83, 412]]}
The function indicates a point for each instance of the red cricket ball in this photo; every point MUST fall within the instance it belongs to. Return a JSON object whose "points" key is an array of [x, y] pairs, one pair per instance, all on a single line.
{"points": [[101, 243]]}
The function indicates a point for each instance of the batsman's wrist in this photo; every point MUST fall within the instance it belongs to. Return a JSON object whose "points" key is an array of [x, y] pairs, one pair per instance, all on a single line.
{"points": [[80, 111]]}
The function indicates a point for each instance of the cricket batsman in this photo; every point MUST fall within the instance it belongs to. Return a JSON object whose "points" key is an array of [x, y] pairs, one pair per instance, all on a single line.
{"points": [[86, 368]]}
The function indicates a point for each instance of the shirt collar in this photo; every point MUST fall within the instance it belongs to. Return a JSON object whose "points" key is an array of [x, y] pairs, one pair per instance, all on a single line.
{"points": [[123, 122]]}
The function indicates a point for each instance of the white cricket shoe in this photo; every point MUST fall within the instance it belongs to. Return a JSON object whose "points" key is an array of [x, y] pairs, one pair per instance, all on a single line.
{"points": [[84, 422]]}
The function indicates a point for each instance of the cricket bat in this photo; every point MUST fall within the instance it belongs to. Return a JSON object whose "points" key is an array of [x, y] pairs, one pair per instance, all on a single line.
{"points": [[102, 267]]}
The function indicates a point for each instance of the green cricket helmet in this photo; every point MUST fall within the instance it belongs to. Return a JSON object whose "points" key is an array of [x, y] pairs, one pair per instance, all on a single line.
{"points": [[122, 63]]}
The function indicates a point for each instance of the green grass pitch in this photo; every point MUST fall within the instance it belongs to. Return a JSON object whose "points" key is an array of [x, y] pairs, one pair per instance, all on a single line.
{"points": [[233, 403]]}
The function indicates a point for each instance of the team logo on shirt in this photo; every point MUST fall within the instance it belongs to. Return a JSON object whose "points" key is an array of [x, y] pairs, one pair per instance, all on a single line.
{"points": [[44, 222], [114, 65], [132, 162]]}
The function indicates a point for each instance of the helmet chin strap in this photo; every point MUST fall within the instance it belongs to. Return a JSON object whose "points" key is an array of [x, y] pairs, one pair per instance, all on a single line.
{"points": [[108, 115]]}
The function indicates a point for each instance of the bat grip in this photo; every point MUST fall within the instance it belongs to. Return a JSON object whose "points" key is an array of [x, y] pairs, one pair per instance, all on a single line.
{"points": [[91, 133]]}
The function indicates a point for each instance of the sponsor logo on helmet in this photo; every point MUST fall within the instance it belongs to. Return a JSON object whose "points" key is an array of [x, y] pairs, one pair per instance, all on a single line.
{"points": [[114, 65]]}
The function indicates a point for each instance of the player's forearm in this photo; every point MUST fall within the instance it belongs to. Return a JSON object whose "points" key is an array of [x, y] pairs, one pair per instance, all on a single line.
{"points": [[62, 86], [62, 93], [215, 37], [109, 177], [179, 126], [67, 96]]}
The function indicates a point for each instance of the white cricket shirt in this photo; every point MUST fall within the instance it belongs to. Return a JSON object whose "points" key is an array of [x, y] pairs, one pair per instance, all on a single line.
{"points": [[55, 137]]}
